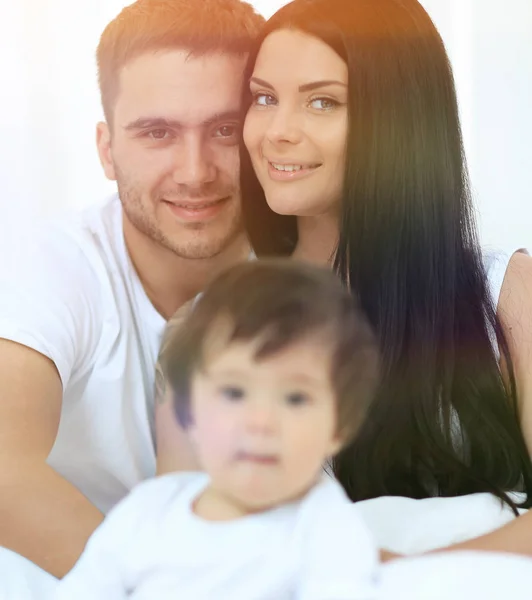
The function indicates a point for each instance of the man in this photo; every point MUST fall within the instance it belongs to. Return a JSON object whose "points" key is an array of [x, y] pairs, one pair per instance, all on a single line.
{"points": [[84, 302]]}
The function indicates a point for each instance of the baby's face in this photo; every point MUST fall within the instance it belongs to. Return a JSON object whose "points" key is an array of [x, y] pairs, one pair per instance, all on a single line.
{"points": [[263, 429]]}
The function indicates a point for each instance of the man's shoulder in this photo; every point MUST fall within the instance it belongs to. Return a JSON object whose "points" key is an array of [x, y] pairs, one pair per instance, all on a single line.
{"points": [[73, 243], [95, 227]]}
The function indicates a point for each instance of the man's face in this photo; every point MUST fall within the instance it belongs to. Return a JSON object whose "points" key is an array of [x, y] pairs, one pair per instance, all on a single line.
{"points": [[173, 149]]}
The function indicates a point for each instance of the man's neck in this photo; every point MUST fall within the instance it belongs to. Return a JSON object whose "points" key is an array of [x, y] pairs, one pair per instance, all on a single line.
{"points": [[169, 280]]}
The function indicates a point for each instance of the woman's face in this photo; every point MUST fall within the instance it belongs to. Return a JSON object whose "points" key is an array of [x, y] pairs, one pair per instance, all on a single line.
{"points": [[296, 127]]}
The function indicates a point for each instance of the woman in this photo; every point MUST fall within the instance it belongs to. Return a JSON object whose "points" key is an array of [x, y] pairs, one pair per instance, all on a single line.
{"points": [[354, 135]]}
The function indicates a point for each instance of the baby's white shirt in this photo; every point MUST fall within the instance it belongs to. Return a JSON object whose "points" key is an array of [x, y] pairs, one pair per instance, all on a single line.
{"points": [[153, 546]]}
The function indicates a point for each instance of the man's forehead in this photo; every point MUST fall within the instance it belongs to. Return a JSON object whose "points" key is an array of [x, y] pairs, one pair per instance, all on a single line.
{"points": [[182, 70], [177, 86]]}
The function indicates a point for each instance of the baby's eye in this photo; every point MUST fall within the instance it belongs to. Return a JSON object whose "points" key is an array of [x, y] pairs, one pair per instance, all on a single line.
{"points": [[297, 399], [232, 392]]}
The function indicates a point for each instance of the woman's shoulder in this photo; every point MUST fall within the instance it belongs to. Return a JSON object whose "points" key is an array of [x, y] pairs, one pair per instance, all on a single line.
{"points": [[515, 298], [500, 266]]}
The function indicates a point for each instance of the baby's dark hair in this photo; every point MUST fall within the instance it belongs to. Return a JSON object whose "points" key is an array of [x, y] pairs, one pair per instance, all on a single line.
{"points": [[278, 302]]}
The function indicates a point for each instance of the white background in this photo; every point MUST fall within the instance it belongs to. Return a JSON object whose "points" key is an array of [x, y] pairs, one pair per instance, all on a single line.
{"points": [[49, 105]]}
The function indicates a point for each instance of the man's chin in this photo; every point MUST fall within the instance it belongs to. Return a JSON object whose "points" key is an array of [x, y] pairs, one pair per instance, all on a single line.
{"points": [[207, 249]]}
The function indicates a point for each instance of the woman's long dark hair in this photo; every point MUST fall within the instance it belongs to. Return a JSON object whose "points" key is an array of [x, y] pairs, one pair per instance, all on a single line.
{"points": [[444, 422]]}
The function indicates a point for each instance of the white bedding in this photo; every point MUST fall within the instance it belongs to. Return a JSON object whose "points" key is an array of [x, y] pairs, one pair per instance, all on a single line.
{"points": [[20, 579], [456, 576], [409, 526]]}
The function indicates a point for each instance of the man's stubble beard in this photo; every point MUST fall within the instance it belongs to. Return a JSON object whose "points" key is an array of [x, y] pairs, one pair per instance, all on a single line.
{"points": [[208, 245]]}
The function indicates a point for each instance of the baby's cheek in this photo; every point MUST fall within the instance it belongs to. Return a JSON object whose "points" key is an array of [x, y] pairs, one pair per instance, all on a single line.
{"points": [[312, 446], [220, 435]]}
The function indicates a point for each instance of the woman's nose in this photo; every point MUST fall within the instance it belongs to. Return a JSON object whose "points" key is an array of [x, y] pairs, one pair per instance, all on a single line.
{"points": [[284, 126]]}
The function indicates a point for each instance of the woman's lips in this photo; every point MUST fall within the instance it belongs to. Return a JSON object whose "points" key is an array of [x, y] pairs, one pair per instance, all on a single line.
{"points": [[290, 175]]}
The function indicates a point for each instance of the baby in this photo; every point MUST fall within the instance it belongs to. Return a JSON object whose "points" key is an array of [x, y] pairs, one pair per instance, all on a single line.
{"points": [[271, 374]]}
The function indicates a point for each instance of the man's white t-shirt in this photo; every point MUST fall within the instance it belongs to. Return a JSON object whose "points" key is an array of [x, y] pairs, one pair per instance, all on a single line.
{"points": [[153, 546], [69, 291]]}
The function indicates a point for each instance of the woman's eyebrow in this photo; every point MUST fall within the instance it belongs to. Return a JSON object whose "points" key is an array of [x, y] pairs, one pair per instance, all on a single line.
{"points": [[307, 87]]}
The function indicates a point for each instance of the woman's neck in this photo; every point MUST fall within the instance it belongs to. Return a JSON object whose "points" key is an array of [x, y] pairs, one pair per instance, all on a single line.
{"points": [[317, 239]]}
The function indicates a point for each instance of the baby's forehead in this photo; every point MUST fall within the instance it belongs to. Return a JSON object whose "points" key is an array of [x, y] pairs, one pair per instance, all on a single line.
{"points": [[312, 355]]}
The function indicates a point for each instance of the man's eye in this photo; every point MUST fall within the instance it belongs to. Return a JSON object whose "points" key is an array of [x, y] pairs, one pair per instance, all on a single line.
{"points": [[158, 134], [232, 392], [227, 131]]}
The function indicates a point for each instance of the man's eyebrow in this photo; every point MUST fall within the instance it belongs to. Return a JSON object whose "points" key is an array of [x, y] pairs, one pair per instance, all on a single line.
{"points": [[307, 87], [161, 122]]}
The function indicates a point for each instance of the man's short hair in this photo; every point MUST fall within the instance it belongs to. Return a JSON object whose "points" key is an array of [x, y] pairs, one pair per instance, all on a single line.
{"points": [[276, 303], [197, 26]]}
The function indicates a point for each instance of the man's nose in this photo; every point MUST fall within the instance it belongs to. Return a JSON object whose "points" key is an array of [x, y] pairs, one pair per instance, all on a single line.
{"points": [[193, 163]]}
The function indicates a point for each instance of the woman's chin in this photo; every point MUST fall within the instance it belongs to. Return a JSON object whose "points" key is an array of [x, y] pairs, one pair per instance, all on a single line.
{"points": [[294, 210], [284, 212], [286, 206], [298, 202]]}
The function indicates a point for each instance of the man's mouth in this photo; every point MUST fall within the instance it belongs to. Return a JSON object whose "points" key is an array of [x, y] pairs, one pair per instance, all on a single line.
{"points": [[197, 205], [195, 211]]}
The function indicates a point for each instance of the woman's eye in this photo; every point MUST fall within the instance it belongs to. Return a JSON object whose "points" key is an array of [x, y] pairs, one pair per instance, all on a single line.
{"points": [[263, 100], [323, 103], [232, 392], [297, 399]]}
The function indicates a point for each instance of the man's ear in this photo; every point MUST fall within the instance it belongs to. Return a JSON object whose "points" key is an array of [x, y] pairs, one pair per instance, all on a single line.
{"points": [[103, 142]]}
